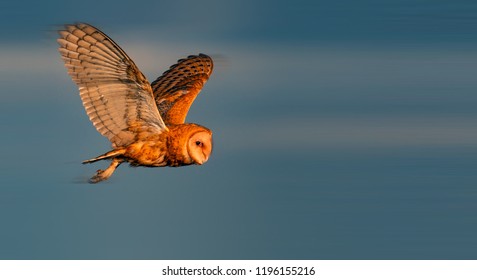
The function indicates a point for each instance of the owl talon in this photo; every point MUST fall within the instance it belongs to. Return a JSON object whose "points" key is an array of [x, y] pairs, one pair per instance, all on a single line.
{"points": [[98, 177], [102, 175]]}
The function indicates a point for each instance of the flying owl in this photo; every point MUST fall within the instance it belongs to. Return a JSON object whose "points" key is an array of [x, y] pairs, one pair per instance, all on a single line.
{"points": [[144, 122]]}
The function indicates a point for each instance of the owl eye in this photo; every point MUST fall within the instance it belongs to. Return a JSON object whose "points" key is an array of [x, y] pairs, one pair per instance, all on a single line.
{"points": [[198, 143]]}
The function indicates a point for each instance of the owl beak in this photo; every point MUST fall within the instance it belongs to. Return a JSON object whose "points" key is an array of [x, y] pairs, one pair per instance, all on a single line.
{"points": [[200, 162]]}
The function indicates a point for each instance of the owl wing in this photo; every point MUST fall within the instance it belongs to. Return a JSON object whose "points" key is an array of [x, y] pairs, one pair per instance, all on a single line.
{"points": [[177, 88], [116, 96]]}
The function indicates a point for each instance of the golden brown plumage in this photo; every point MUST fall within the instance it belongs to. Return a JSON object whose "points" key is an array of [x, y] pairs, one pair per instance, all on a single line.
{"points": [[145, 123], [174, 93]]}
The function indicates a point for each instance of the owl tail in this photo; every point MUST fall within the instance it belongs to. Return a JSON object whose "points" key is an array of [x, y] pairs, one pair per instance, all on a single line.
{"points": [[108, 155]]}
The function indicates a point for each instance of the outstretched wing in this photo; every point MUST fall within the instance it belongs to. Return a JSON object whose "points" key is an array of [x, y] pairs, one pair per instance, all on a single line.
{"points": [[178, 87], [116, 96]]}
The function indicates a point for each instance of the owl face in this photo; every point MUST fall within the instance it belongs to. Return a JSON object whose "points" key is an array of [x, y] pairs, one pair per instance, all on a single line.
{"points": [[199, 146]]}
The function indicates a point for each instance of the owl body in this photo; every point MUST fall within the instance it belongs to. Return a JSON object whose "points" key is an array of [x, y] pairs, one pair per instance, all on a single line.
{"points": [[144, 122], [171, 148]]}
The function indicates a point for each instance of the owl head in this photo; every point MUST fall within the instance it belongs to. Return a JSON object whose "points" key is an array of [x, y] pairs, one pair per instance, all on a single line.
{"points": [[189, 144], [199, 145]]}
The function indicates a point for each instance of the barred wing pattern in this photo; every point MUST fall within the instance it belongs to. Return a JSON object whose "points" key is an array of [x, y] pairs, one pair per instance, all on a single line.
{"points": [[177, 88], [116, 96]]}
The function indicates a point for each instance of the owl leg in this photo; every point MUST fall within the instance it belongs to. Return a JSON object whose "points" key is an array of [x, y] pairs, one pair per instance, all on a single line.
{"points": [[102, 175]]}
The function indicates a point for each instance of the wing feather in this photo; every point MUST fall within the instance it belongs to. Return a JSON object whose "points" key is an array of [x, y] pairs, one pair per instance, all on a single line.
{"points": [[116, 96], [177, 88]]}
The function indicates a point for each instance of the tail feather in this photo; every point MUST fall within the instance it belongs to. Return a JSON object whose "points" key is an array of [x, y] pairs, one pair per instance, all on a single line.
{"points": [[108, 155]]}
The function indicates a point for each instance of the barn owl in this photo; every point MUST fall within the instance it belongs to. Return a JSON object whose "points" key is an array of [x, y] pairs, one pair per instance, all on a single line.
{"points": [[144, 122]]}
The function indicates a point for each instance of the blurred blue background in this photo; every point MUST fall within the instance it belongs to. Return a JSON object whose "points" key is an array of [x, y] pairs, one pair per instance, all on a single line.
{"points": [[342, 130]]}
